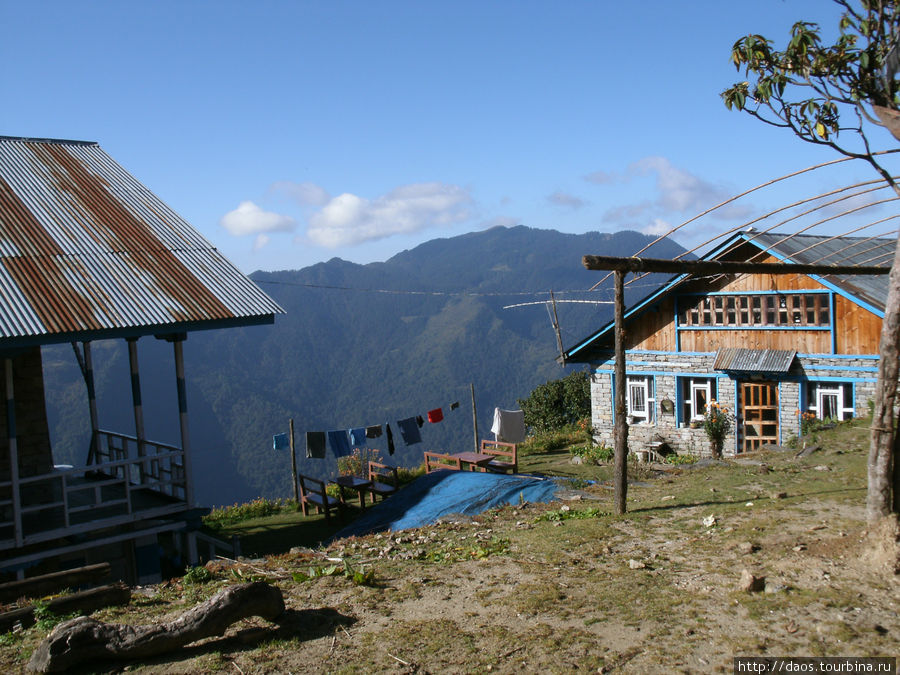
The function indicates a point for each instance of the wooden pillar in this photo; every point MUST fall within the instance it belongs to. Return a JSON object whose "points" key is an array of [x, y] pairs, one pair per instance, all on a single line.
{"points": [[139, 431], [620, 476], [294, 466], [92, 400], [178, 344], [474, 416], [13, 450]]}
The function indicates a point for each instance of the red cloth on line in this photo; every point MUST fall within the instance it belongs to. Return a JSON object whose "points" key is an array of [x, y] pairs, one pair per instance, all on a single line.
{"points": [[435, 415]]}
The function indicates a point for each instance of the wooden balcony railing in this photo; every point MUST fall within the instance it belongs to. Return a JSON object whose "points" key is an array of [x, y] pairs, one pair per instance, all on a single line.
{"points": [[126, 481]]}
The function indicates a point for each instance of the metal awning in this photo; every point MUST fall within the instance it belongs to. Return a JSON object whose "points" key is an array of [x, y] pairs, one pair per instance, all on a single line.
{"points": [[754, 360]]}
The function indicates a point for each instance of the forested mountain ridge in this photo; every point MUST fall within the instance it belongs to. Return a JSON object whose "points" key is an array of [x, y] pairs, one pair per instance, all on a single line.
{"points": [[359, 345]]}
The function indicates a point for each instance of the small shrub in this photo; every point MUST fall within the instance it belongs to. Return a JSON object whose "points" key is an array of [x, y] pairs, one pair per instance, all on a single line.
{"points": [[594, 454], [681, 459], [46, 620], [357, 462], [197, 575]]}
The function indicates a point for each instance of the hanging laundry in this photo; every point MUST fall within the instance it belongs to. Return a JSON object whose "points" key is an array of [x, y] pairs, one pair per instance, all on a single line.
{"points": [[409, 429], [435, 416], [509, 425], [339, 441], [420, 421], [390, 438], [280, 442], [315, 445], [373, 431], [358, 437], [454, 405]]}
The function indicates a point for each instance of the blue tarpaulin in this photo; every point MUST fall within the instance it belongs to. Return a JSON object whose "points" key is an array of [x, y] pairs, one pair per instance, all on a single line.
{"points": [[440, 493]]}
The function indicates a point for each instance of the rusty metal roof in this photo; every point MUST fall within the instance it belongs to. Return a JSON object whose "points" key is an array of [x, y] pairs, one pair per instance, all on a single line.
{"points": [[754, 360], [87, 250]]}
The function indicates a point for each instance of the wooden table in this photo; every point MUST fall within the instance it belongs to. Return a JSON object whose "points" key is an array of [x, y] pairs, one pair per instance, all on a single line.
{"points": [[473, 459], [360, 485]]}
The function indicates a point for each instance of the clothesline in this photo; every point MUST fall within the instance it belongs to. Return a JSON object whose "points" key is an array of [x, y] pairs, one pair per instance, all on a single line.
{"points": [[341, 441]]}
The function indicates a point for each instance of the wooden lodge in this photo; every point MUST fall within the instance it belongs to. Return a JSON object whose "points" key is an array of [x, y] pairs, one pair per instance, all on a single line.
{"points": [[88, 253], [767, 347]]}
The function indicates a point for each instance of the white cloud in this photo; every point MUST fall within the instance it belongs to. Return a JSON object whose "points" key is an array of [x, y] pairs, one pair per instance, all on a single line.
{"points": [[684, 192], [260, 241], [560, 198], [248, 218], [348, 219], [306, 194], [656, 228]]}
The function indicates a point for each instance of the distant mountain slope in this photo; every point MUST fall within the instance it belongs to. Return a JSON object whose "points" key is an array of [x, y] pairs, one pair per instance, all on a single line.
{"points": [[360, 345]]}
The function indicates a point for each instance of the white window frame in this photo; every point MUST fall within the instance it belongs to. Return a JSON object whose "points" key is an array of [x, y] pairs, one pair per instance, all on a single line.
{"points": [[636, 384], [836, 390], [695, 386]]}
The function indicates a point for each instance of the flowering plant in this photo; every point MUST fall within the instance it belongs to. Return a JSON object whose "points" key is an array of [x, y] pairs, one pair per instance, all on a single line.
{"points": [[807, 422], [717, 422]]}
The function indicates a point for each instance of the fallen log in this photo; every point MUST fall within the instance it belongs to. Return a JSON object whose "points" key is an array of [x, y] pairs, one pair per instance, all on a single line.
{"points": [[45, 584], [82, 601], [85, 639]]}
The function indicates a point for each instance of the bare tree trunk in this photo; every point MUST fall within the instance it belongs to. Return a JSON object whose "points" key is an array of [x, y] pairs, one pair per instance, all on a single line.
{"points": [[84, 639], [620, 479], [882, 476]]}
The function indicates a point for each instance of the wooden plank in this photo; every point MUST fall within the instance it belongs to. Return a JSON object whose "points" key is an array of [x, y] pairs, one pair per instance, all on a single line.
{"points": [[83, 601], [54, 582], [600, 263]]}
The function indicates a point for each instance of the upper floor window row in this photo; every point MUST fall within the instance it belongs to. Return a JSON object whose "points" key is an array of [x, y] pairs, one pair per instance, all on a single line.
{"points": [[775, 309]]}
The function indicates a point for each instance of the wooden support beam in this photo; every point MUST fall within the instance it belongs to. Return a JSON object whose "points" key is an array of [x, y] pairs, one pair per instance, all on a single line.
{"points": [[601, 262], [620, 431], [139, 431], [13, 451], [178, 347]]}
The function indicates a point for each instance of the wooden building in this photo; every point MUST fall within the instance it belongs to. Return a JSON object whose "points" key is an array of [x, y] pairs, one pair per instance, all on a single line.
{"points": [[88, 253], [767, 347]]}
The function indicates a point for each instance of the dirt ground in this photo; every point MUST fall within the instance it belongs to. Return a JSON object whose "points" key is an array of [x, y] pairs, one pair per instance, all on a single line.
{"points": [[567, 587]]}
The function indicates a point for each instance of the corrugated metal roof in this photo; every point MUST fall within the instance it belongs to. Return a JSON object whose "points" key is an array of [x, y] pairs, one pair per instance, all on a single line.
{"points": [[85, 247], [754, 360], [819, 250]]}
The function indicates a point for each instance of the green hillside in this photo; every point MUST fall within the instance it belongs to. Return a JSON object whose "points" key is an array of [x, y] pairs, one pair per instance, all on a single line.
{"points": [[359, 345]]}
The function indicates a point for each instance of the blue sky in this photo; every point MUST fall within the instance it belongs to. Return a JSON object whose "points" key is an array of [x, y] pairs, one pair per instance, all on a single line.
{"points": [[293, 132]]}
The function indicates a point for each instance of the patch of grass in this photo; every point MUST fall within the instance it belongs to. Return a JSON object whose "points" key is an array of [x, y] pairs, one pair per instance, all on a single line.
{"points": [[552, 440], [236, 513]]}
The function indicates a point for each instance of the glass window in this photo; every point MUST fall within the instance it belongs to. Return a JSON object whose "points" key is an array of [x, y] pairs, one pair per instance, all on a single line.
{"points": [[781, 309], [639, 398], [696, 393], [830, 400]]}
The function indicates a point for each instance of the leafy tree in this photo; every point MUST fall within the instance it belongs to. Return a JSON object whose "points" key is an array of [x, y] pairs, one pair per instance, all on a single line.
{"points": [[558, 403], [832, 95]]}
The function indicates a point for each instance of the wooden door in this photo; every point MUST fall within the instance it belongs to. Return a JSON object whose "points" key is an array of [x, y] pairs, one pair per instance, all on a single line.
{"points": [[759, 415]]}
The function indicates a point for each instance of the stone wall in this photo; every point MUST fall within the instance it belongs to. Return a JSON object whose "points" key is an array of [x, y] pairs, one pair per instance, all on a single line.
{"points": [[666, 367]]}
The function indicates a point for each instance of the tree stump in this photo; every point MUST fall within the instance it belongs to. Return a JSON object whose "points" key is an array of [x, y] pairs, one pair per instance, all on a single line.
{"points": [[85, 639]]}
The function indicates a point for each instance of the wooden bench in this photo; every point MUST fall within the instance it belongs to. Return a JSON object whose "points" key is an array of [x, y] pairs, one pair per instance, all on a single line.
{"points": [[383, 479], [312, 491], [435, 461], [506, 457]]}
